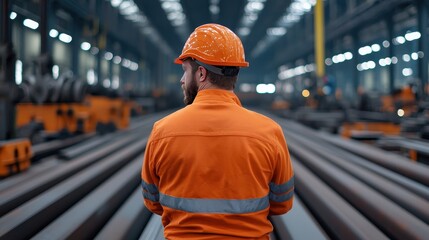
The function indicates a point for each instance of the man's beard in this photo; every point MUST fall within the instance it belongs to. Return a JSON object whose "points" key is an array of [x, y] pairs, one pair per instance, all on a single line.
{"points": [[190, 92]]}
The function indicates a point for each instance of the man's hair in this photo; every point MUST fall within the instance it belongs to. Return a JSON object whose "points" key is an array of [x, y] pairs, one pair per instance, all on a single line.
{"points": [[223, 82]]}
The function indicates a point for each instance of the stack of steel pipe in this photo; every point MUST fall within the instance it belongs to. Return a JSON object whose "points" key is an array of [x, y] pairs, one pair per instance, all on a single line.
{"points": [[93, 186], [343, 191], [356, 191]]}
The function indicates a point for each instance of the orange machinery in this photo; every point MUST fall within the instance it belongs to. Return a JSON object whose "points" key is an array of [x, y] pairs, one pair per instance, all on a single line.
{"points": [[387, 128], [15, 156], [75, 117]]}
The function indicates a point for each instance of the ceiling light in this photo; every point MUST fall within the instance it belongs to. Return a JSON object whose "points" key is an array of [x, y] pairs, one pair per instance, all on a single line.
{"points": [[348, 55], [115, 3], [85, 46], [276, 31], [53, 33], [407, 72], [31, 24], [412, 36], [375, 47], [125, 5], [65, 38], [13, 15], [108, 56], [386, 44], [115, 82], [94, 50], [244, 31], [117, 60]]}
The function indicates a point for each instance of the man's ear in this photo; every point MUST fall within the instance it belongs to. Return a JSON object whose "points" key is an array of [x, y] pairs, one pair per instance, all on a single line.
{"points": [[203, 73]]}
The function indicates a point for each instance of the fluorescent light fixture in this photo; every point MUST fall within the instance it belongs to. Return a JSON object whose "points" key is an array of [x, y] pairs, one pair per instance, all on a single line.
{"points": [[94, 50], [108, 56], [53, 33], [244, 31], [85, 46], [365, 50], [91, 77], [388, 60], [400, 40], [328, 61], [412, 36], [265, 88], [348, 55], [65, 38], [106, 83], [125, 5], [407, 72], [134, 66], [115, 3], [117, 59], [115, 82], [31, 24], [13, 15], [126, 63], [246, 87], [18, 72], [386, 44], [406, 57], [276, 31], [55, 71], [375, 47], [270, 88], [214, 9]]}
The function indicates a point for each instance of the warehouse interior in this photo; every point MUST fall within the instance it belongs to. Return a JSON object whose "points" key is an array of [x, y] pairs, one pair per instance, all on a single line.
{"points": [[83, 81]]}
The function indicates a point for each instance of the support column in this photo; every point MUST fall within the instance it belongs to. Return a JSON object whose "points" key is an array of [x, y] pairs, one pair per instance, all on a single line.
{"points": [[7, 76], [319, 42], [390, 36], [423, 46]]}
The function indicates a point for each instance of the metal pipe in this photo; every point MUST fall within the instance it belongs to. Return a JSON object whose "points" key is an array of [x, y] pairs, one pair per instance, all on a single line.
{"points": [[22, 193], [35, 214], [388, 216]]}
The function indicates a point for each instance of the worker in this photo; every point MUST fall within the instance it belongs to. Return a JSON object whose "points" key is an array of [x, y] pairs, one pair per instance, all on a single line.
{"points": [[213, 169]]}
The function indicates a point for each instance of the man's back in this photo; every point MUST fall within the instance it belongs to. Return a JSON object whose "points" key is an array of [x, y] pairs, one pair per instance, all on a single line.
{"points": [[219, 170]]}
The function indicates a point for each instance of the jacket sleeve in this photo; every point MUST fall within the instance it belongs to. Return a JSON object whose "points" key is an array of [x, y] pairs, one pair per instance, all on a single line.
{"points": [[150, 180], [282, 183]]}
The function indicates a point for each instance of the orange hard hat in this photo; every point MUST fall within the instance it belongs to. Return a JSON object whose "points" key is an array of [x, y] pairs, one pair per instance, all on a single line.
{"points": [[215, 45]]}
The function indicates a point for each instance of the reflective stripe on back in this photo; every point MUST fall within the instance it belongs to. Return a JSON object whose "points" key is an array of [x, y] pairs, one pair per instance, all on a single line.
{"points": [[223, 206]]}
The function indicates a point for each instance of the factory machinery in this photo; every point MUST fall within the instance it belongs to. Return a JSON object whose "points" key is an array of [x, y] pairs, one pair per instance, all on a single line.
{"points": [[344, 190], [397, 122], [44, 108]]}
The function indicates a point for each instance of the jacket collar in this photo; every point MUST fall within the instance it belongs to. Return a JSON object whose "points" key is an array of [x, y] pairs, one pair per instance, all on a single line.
{"points": [[217, 95]]}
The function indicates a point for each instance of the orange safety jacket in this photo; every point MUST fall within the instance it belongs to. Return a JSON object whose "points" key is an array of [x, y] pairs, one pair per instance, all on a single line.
{"points": [[215, 170]]}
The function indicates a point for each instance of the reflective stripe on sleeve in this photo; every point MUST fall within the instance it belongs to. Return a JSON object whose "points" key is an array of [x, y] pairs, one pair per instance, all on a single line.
{"points": [[281, 198], [282, 188], [150, 191], [282, 192], [222, 206], [150, 196]]}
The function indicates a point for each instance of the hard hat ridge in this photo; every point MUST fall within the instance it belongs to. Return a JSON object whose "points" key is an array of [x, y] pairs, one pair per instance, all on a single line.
{"points": [[214, 44]]}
